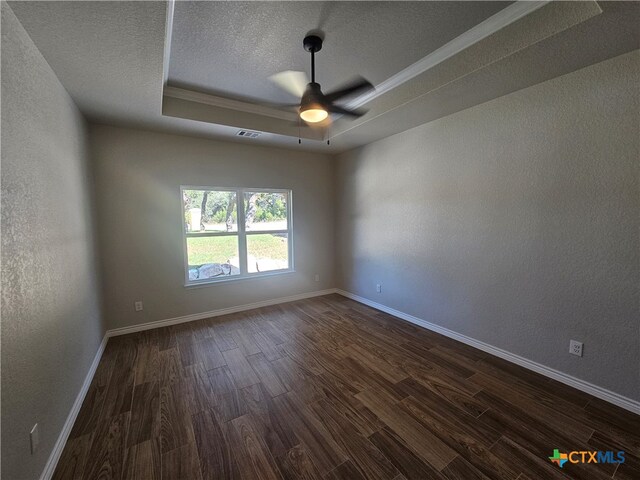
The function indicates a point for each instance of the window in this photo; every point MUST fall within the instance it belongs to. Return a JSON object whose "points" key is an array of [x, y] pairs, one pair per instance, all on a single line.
{"points": [[236, 233]]}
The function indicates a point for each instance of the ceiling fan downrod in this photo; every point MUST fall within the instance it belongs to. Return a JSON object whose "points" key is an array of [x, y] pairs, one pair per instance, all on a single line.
{"points": [[312, 44]]}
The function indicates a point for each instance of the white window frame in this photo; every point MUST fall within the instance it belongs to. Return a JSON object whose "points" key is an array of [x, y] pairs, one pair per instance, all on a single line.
{"points": [[241, 234]]}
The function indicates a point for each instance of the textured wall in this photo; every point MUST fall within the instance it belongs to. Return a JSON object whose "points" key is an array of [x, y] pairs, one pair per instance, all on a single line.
{"points": [[514, 222], [51, 326], [138, 177]]}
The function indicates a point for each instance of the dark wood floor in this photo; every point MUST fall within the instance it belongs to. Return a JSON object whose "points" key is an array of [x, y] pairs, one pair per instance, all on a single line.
{"points": [[330, 389]]}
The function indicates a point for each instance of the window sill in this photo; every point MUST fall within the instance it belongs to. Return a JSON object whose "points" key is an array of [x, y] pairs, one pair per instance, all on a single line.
{"points": [[237, 278]]}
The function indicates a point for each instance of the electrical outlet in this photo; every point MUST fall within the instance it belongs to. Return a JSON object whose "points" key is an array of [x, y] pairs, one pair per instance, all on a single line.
{"points": [[138, 306], [575, 348], [378, 288], [317, 278], [34, 438]]}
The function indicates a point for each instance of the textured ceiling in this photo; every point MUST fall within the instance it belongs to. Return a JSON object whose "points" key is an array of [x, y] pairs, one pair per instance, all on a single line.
{"points": [[110, 55], [231, 48]]}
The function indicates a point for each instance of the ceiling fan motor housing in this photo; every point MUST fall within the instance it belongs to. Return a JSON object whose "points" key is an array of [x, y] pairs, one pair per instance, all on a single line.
{"points": [[312, 43], [313, 95]]}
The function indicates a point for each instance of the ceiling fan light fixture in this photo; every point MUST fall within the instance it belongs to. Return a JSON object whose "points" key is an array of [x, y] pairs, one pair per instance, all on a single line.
{"points": [[313, 113], [315, 106]]}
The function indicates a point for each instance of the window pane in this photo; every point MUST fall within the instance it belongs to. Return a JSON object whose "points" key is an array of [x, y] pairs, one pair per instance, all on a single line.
{"points": [[212, 257], [267, 252], [265, 211], [210, 211]]}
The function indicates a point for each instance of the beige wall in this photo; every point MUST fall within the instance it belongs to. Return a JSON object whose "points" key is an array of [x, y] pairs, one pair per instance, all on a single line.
{"points": [[138, 177], [51, 323], [514, 222]]}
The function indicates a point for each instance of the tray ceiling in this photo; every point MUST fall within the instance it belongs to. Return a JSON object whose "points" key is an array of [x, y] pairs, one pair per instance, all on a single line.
{"points": [[231, 48], [426, 59]]}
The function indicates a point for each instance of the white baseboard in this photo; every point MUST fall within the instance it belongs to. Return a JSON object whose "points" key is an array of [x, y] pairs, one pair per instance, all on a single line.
{"points": [[599, 392], [215, 313], [54, 456]]}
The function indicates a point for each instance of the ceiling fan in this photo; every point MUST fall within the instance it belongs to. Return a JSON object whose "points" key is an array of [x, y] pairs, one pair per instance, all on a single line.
{"points": [[315, 106]]}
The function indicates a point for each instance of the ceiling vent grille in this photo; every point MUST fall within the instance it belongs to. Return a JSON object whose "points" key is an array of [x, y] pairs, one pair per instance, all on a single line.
{"points": [[248, 134]]}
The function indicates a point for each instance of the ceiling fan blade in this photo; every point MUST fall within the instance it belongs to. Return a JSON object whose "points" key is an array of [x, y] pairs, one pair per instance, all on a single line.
{"points": [[345, 111], [293, 82], [357, 86]]}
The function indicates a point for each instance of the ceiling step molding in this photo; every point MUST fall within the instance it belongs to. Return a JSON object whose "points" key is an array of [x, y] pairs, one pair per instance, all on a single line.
{"points": [[168, 32], [222, 102]]}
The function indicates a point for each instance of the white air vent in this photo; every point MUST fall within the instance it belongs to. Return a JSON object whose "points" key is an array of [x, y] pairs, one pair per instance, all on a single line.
{"points": [[248, 134]]}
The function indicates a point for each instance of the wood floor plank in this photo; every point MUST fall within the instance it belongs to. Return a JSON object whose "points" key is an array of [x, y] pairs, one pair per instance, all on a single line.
{"points": [[89, 415], [460, 469], [605, 442], [246, 342], [629, 470], [325, 453], [345, 471], [73, 459], [188, 349], [341, 397], [223, 337], [412, 467], [297, 379], [631, 466], [424, 443], [277, 429], [214, 449], [105, 460], [327, 388], [449, 418], [91, 410], [303, 357], [268, 376], [170, 368], [145, 413], [141, 462], [242, 373], [182, 463], [166, 338], [121, 383], [468, 437], [614, 416], [262, 409], [199, 394], [525, 461], [209, 354], [363, 378], [376, 364], [175, 422], [536, 436], [249, 445], [619, 425], [296, 464], [268, 347], [147, 357], [227, 400], [444, 391], [201, 330], [429, 355], [364, 455], [528, 403]]}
